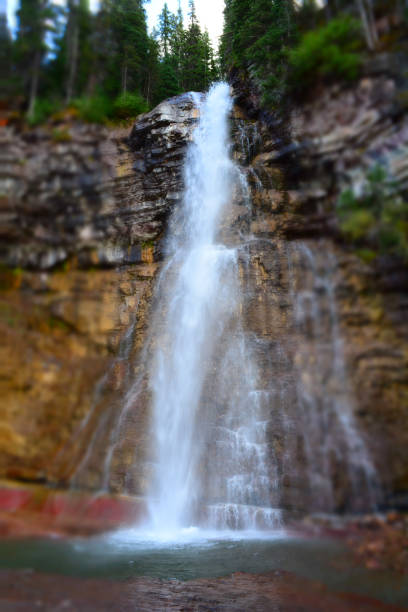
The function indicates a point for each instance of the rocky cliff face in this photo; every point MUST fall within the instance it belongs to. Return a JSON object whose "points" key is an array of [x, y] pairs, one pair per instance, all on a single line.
{"points": [[82, 226], [315, 291], [83, 211], [339, 138]]}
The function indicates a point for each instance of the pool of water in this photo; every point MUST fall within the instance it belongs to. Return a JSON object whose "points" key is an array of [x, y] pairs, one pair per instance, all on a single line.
{"points": [[194, 554]]}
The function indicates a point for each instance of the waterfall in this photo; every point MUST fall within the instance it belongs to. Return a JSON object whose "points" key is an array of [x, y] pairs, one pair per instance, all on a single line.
{"points": [[333, 446], [243, 373], [200, 356]]}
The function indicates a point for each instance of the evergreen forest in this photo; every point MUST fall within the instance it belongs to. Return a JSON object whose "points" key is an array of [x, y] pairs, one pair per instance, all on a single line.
{"points": [[107, 66], [102, 66]]}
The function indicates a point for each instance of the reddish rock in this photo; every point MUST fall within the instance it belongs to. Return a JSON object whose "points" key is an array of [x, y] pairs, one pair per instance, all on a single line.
{"points": [[39, 511], [23, 591]]}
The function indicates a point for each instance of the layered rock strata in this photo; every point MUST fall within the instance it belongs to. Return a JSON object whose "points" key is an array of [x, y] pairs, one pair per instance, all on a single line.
{"points": [[83, 210], [83, 221]]}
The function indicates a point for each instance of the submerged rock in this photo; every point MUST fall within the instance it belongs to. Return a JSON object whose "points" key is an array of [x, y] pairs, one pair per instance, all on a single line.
{"points": [[239, 592]]}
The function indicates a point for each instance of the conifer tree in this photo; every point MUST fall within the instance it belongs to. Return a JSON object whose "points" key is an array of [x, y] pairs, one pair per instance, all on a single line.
{"points": [[129, 30], [165, 30], [35, 18], [177, 44], [77, 44], [152, 70], [256, 39], [6, 50], [193, 61]]}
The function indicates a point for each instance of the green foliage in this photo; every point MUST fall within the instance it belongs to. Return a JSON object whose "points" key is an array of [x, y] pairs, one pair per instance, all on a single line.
{"points": [[378, 216], [307, 15], [331, 51], [168, 82], [57, 323], [93, 109], [187, 58], [357, 223], [128, 29], [61, 135], [129, 105], [105, 65], [256, 40], [43, 109], [7, 78], [366, 255], [36, 19]]}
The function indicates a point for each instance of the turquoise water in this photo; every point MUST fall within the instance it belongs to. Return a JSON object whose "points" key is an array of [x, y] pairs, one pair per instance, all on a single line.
{"points": [[130, 553]]}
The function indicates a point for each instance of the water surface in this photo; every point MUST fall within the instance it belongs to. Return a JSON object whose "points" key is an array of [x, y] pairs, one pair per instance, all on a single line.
{"points": [[194, 554]]}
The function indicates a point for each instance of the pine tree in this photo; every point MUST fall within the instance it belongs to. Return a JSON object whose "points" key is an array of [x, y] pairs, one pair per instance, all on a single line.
{"points": [[165, 30], [210, 67], [193, 63], [256, 39], [35, 18], [177, 44], [270, 26], [6, 51], [152, 70], [167, 82], [129, 32], [77, 45]]}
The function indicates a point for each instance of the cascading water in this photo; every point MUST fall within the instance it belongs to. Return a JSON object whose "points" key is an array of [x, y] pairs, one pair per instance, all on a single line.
{"points": [[201, 346], [333, 447], [242, 373]]}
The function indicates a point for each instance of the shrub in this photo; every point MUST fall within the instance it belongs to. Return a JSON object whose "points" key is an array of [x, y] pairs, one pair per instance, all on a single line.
{"points": [[378, 216], [331, 51], [367, 255], [357, 224], [129, 105], [93, 109], [61, 135], [43, 109]]}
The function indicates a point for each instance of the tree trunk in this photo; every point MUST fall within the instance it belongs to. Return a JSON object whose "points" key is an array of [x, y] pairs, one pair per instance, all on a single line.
{"points": [[328, 11], [124, 76], [148, 87], [367, 19], [73, 48], [371, 21], [35, 77]]}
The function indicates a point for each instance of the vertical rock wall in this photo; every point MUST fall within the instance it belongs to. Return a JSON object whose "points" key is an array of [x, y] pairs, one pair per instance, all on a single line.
{"points": [[83, 214]]}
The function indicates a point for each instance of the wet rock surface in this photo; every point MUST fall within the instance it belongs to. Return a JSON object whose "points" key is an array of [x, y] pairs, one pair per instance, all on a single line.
{"points": [[83, 209], [340, 138], [89, 194], [336, 137], [274, 591], [84, 212]]}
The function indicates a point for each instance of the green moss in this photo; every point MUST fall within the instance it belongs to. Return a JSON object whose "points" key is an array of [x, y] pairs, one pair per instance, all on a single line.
{"points": [[61, 135], [9, 315], [357, 224], [9, 277], [57, 323], [366, 255], [147, 244]]}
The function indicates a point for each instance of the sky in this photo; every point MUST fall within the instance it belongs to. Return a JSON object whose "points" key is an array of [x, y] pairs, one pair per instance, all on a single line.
{"points": [[209, 12]]}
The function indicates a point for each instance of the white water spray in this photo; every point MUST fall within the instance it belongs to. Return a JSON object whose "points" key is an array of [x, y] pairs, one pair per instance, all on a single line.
{"points": [[198, 310]]}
